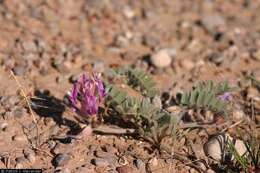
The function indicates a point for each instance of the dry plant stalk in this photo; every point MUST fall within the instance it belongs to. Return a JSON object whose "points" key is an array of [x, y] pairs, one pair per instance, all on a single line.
{"points": [[23, 93]]}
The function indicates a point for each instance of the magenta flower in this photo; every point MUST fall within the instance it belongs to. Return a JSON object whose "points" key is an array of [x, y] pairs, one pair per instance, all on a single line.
{"points": [[87, 94]]}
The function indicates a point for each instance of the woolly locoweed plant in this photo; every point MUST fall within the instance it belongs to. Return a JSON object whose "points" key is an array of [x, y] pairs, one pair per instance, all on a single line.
{"points": [[87, 94]]}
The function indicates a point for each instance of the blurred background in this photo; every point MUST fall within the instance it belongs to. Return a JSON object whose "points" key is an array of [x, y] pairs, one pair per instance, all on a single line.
{"points": [[39, 36]]}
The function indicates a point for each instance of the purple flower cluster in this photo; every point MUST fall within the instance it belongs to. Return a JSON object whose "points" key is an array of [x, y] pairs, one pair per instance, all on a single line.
{"points": [[87, 94], [226, 97]]}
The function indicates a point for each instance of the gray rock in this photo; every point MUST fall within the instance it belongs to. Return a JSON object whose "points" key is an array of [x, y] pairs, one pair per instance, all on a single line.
{"points": [[139, 164], [29, 46], [211, 22], [96, 4], [151, 40], [216, 58], [19, 70], [61, 159]]}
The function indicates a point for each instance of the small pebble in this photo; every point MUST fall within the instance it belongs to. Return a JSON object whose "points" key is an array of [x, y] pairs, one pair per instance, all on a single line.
{"points": [[211, 22], [128, 12], [73, 78], [51, 144], [153, 162], [216, 58], [210, 171], [64, 67], [61, 170], [19, 138], [100, 162], [88, 167], [139, 164], [19, 70], [99, 66], [122, 41], [9, 101], [187, 64], [213, 147], [240, 147], [57, 149], [30, 155], [66, 170], [125, 169], [18, 112], [29, 46], [253, 93], [157, 102], [161, 59], [48, 121], [112, 171], [3, 125], [257, 55], [238, 114], [19, 166], [92, 148], [173, 109], [61, 159], [151, 40], [111, 149], [102, 154], [20, 160]]}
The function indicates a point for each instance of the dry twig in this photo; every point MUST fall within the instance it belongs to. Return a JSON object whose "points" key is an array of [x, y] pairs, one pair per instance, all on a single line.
{"points": [[23, 93]]}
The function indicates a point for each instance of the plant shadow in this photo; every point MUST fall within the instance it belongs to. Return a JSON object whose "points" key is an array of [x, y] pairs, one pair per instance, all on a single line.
{"points": [[46, 105]]}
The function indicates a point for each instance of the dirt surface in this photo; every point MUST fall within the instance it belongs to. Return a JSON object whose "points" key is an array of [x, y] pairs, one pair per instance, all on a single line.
{"points": [[49, 43]]}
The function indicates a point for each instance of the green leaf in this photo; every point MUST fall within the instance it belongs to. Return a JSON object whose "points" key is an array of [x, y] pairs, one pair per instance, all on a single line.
{"points": [[201, 98], [193, 97]]}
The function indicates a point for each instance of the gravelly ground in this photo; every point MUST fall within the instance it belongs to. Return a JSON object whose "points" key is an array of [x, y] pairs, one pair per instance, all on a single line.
{"points": [[49, 42]]}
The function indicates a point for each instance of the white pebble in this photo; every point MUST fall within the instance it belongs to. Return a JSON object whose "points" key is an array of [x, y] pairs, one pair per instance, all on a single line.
{"points": [[161, 59], [213, 148]]}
